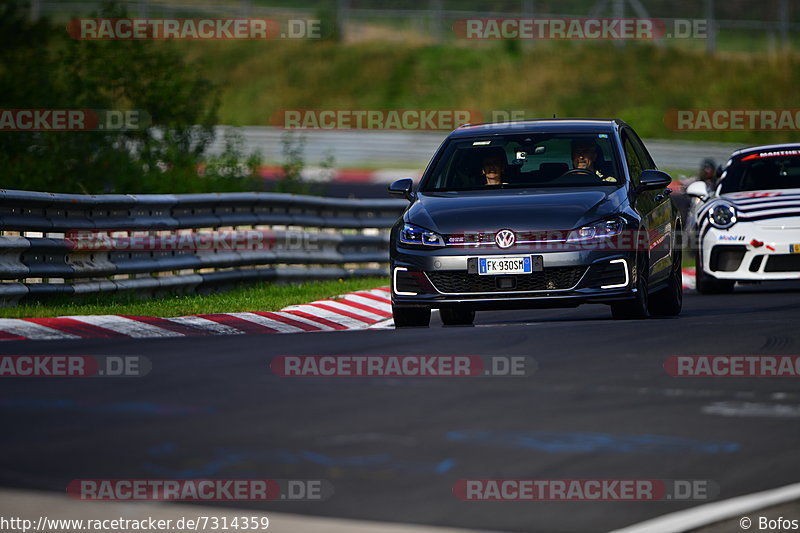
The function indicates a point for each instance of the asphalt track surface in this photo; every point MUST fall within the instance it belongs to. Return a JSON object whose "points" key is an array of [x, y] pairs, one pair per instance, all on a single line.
{"points": [[600, 405]]}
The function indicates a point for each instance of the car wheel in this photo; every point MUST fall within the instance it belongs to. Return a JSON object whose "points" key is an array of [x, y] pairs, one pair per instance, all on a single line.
{"points": [[669, 300], [410, 317], [636, 308], [457, 316], [708, 284]]}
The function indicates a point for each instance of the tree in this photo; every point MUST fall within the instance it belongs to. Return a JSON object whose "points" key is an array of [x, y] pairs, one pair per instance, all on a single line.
{"points": [[42, 68]]}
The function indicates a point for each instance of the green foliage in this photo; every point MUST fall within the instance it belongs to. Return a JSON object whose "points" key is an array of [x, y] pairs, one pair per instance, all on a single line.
{"points": [[639, 82], [293, 147], [42, 68]]}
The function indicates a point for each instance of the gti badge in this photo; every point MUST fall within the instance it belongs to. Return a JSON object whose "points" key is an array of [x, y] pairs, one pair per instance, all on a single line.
{"points": [[505, 238]]}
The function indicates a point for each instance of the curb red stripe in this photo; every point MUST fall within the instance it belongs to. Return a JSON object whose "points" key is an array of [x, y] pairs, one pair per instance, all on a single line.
{"points": [[360, 318], [325, 321], [354, 175], [277, 325], [286, 320], [239, 323], [76, 327], [31, 330], [386, 307], [213, 328], [313, 323], [364, 307], [371, 296], [129, 328], [163, 323], [689, 280]]}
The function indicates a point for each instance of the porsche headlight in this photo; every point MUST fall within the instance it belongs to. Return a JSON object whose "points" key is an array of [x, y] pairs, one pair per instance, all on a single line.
{"points": [[722, 216], [598, 230], [414, 235]]}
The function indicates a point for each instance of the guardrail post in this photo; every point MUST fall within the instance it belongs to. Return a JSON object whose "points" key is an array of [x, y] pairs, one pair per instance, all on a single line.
{"points": [[342, 13], [436, 20], [783, 23], [36, 9], [711, 37]]}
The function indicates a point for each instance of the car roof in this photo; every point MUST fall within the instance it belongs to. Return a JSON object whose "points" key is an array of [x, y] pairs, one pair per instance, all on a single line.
{"points": [[551, 125], [765, 148]]}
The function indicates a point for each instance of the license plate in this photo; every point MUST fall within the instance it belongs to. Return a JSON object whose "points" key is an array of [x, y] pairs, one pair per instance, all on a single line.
{"points": [[794, 248], [492, 266]]}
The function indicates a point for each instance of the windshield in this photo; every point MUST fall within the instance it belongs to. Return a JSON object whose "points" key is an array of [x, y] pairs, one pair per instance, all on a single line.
{"points": [[763, 172], [528, 160]]}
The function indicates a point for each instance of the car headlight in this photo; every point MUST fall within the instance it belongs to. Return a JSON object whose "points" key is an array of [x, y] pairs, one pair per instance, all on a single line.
{"points": [[598, 230], [722, 216], [415, 236]]}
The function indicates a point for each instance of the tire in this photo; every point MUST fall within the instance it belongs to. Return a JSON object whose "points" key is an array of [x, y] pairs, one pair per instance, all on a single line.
{"points": [[708, 284], [457, 316], [669, 300], [411, 317], [635, 309]]}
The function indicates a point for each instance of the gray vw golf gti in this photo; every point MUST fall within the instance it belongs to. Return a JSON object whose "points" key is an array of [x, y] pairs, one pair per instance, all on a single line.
{"points": [[532, 214]]}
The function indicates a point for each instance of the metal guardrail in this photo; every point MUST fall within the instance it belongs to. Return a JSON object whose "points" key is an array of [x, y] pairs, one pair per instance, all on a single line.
{"points": [[66, 244]]}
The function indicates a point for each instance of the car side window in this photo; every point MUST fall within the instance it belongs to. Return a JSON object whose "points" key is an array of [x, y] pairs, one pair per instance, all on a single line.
{"points": [[641, 151], [632, 158]]}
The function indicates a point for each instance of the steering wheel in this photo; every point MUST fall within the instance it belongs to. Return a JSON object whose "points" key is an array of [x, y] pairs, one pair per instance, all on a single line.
{"points": [[579, 171]]}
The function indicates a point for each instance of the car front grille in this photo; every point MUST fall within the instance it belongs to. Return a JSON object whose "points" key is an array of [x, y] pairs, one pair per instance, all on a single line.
{"points": [[554, 278], [727, 258], [783, 263], [606, 274]]}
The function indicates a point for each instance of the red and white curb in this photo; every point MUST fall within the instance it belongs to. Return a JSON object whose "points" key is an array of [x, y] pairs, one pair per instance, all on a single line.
{"points": [[689, 281], [355, 310]]}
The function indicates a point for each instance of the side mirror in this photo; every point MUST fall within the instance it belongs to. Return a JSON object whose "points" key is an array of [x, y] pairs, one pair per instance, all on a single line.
{"points": [[697, 189], [402, 188], [653, 179]]}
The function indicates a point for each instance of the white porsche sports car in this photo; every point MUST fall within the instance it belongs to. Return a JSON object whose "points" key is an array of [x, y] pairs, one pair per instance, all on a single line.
{"points": [[748, 228]]}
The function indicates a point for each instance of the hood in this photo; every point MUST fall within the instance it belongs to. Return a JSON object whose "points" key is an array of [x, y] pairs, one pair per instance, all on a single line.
{"points": [[517, 210]]}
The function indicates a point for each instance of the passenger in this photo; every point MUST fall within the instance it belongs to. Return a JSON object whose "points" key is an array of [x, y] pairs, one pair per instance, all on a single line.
{"points": [[707, 175], [494, 165], [584, 155]]}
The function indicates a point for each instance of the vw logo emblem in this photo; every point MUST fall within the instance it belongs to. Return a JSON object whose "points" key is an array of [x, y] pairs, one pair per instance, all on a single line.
{"points": [[505, 238]]}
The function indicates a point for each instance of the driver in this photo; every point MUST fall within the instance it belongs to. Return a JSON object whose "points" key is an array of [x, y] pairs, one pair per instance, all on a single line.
{"points": [[584, 154], [494, 164]]}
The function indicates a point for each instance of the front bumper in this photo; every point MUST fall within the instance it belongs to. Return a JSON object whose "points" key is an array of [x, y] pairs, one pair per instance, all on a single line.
{"points": [[753, 251], [440, 278]]}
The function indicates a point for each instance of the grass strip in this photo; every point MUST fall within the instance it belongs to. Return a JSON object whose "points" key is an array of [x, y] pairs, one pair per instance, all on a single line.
{"points": [[263, 297]]}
